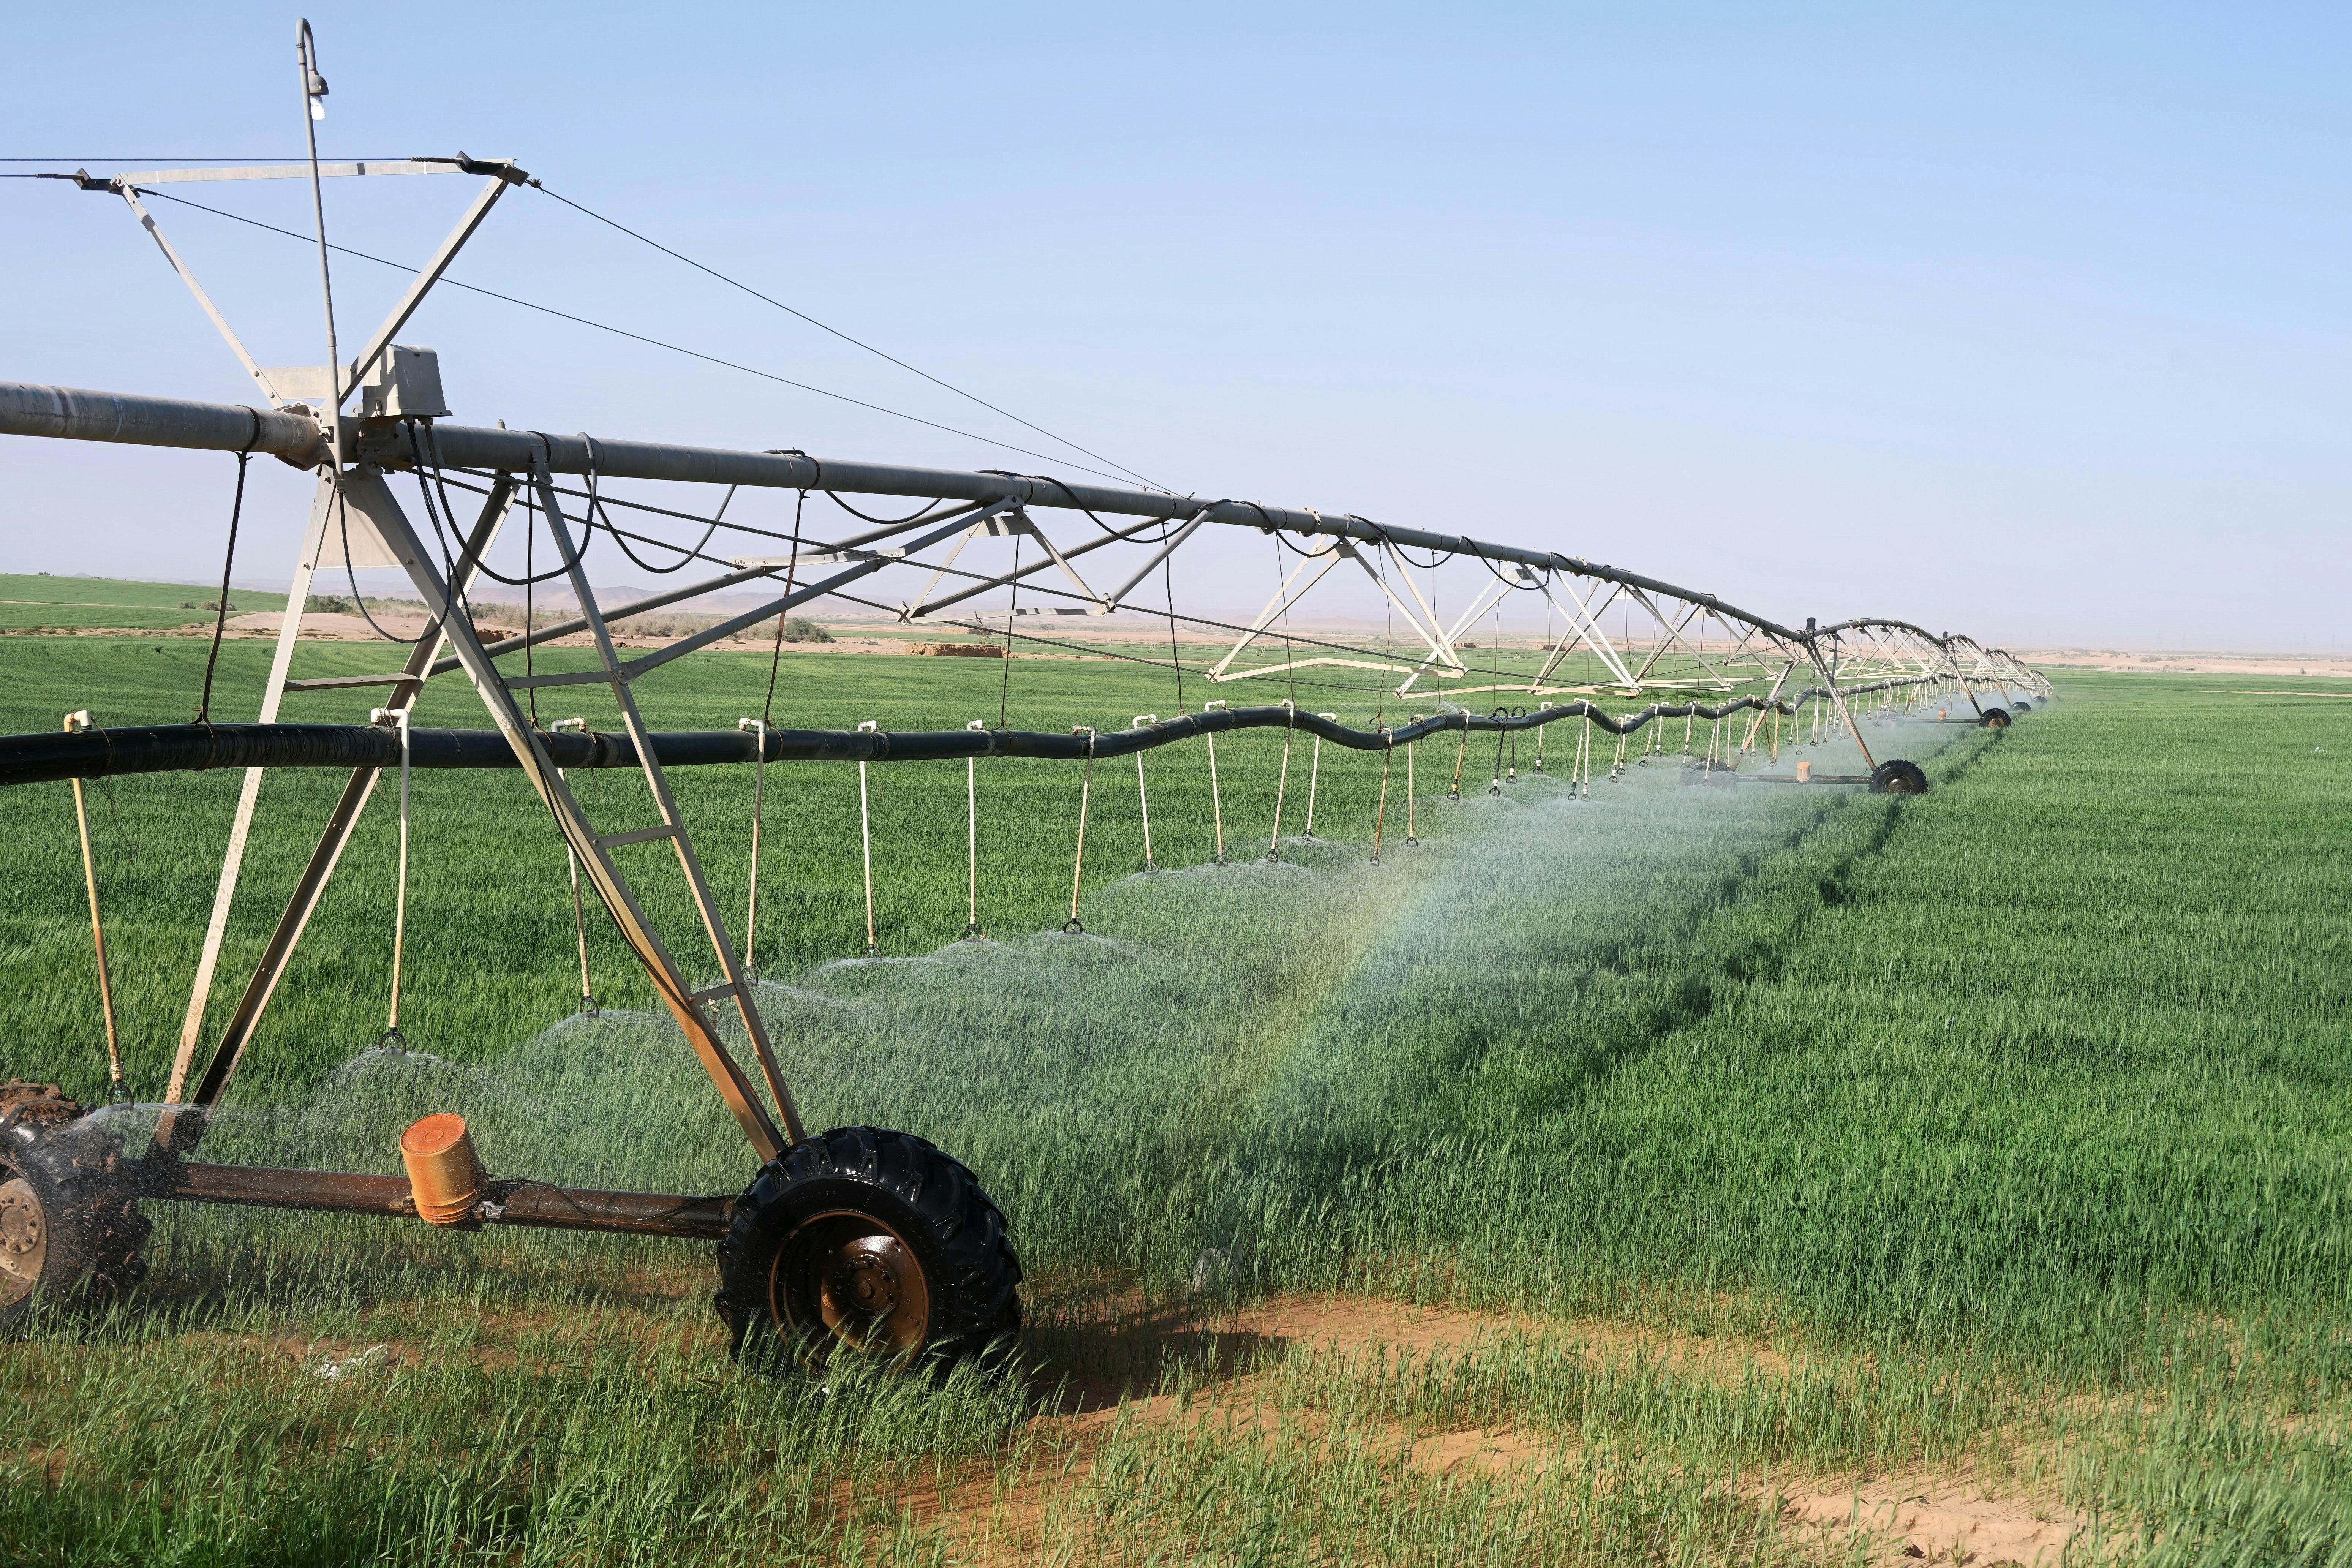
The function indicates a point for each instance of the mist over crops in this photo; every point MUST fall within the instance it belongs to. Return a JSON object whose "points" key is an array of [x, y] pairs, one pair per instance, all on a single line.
{"points": [[1257, 1040]]}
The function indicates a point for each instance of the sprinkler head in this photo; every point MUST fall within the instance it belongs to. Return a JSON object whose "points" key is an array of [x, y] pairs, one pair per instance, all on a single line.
{"points": [[971, 932], [588, 1008]]}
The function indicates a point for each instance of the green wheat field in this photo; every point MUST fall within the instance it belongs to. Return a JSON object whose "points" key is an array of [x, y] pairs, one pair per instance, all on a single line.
{"points": [[1696, 1155]]}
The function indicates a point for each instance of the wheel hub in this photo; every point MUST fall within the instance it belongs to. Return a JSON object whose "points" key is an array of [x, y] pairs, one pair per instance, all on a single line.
{"points": [[24, 1238], [867, 1283], [849, 1278]]}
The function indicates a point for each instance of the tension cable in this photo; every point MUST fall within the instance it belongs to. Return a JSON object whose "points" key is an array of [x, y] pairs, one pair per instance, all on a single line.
{"points": [[588, 1008], [118, 1091], [1086, 794], [392, 1038]]}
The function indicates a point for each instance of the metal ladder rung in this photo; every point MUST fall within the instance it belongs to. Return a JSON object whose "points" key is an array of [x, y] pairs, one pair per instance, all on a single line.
{"points": [[337, 682], [572, 678], [637, 835]]}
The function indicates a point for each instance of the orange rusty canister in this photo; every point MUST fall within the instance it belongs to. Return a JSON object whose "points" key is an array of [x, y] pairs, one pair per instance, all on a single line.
{"points": [[445, 1174]]}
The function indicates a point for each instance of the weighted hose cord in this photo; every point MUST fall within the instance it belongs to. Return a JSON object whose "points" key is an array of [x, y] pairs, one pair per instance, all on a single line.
{"points": [[183, 748]]}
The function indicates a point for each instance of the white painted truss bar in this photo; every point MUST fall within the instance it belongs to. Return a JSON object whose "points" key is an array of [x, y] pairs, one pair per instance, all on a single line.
{"points": [[911, 608], [1020, 523], [1479, 605], [1119, 594], [1740, 648], [1424, 627], [220, 322], [1323, 558], [1770, 698], [285, 172], [1674, 635], [1102, 605], [1286, 667], [1438, 643], [987, 522], [1584, 627]]}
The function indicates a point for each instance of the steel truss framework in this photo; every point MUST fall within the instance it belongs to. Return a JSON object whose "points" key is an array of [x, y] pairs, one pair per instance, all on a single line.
{"points": [[1661, 647]]}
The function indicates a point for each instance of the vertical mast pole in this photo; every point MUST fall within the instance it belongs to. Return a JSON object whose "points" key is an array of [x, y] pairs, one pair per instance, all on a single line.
{"points": [[314, 89]]}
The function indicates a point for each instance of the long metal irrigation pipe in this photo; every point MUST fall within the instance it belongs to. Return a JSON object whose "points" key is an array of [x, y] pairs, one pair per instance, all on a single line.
{"points": [[46, 757], [74, 414]]}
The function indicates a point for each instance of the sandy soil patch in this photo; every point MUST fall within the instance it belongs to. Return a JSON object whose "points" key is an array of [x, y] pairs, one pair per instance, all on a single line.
{"points": [[1942, 1521]]}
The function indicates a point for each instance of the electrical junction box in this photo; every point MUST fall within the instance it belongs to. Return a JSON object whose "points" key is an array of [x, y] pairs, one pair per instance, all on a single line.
{"points": [[404, 383]]}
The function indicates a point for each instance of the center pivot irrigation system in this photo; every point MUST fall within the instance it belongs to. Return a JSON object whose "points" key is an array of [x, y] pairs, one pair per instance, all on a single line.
{"points": [[859, 1235]]}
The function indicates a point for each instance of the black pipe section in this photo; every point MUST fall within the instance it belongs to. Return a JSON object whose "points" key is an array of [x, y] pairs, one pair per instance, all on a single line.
{"points": [[50, 756]]}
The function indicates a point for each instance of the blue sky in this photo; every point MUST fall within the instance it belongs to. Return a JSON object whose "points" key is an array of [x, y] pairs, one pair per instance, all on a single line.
{"points": [[2026, 321]]}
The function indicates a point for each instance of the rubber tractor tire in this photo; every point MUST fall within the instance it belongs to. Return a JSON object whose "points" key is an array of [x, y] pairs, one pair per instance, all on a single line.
{"points": [[868, 1242], [70, 1230], [1995, 719], [1899, 777]]}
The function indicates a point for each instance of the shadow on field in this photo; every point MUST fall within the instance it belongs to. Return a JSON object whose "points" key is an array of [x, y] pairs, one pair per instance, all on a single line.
{"points": [[1091, 1363]]}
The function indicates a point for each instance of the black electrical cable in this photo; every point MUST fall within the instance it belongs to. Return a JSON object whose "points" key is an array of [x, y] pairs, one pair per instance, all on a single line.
{"points": [[432, 514], [776, 659], [641, 338], [531, 505], [1442, 556], [1165, 534], [229, 562], [343, 516], [595, 514], [1511, 583], [1175, 659], [1005, 694], [915, 516], [1205, 621], [530, 666], [845, 337], [590, 526], [1099, 652]]}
